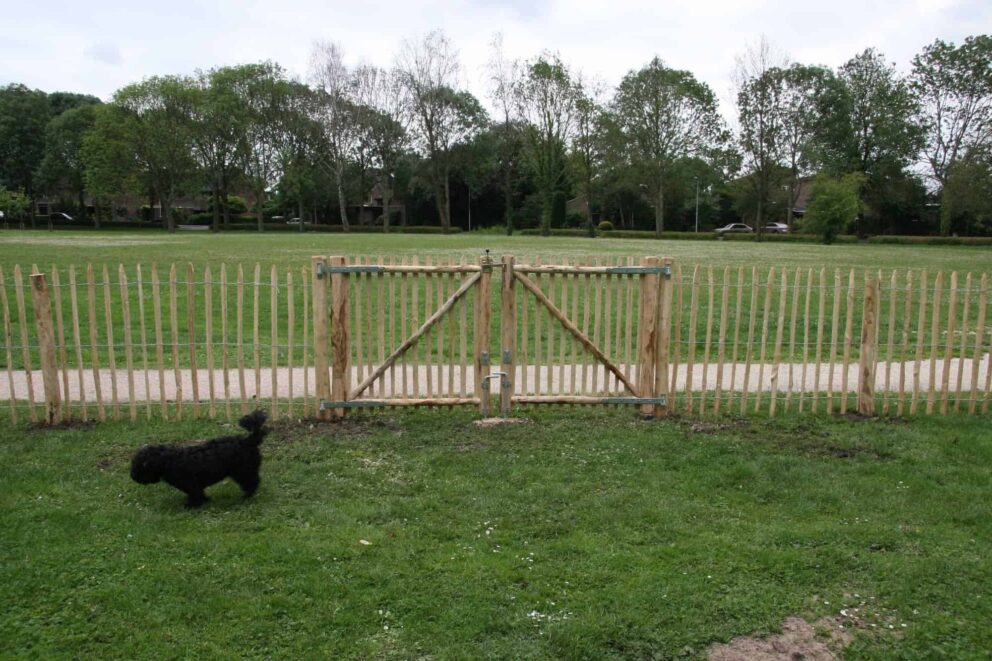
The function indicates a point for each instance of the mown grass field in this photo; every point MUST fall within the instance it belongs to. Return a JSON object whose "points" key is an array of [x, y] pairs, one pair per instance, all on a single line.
{"points": [[291, 253], [582, 535]]}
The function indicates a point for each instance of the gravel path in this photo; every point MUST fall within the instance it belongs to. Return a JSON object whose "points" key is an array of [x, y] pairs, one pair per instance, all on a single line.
{"points": [[791, 378]]}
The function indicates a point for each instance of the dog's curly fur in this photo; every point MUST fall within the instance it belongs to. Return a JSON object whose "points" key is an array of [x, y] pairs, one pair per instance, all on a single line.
{"points": [[193, 468]]}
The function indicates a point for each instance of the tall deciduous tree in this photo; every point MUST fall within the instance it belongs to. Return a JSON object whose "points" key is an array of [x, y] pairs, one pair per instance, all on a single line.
{"points": [[157, 126], [24, 114], [884, 138], [62, 169], [665, 115], [954, 88], [111, 169], [440, 114], [504, 75], [547, 99]]}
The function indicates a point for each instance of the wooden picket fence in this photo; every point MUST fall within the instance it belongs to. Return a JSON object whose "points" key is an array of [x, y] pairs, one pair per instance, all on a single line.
{"points": [[319, 340]]}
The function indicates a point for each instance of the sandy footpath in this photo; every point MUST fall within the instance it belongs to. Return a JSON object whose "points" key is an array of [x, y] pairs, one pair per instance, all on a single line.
{"points": [[791, 377]]}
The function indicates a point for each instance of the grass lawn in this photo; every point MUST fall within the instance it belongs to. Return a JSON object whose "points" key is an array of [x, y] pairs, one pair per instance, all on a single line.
{"points": [[285, 249], [586, 534]]}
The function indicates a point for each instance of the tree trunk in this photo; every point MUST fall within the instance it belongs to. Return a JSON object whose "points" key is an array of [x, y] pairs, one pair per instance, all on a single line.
{"points": [[659, 212], [447, 200], [759, 225], [342, 208], [385, 210], [546, 210], [259, 216], [946, 212], [82, 205], [789, 217], [225, 210], [302, 217], [507, 201], [215, 224], [168, 221]]}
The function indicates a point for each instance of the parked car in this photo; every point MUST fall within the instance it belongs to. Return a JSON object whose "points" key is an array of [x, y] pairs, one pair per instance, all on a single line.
{"points": [[734, 228], [777, 228], [60, 217], [297, 221]]}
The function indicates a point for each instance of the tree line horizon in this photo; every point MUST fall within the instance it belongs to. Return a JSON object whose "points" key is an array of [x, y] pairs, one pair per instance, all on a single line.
{"points": [[881, 152]]}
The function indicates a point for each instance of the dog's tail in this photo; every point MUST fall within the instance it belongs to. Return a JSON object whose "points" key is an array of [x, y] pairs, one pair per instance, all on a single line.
{"points": [[254, 424]]}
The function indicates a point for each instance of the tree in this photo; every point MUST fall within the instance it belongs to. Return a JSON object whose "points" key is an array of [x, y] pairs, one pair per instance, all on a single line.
{"points": [[883, 137], [24, 114], [665, 115], [62, 168], [504, 77], [14, 205], [157, 126], [440, 115], [264, 94], [834, 203], [110, 166], [590, 129], [546, 99], [382, 127], [954, 88]]}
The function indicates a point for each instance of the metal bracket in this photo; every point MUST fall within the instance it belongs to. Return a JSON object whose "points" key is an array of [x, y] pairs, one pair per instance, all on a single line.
{"points": [[507, 356], [487, 263], [323, 269], [665, 270], [352, 404], [484, 358]]}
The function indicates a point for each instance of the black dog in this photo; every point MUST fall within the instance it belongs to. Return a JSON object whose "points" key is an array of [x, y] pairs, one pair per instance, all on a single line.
{"points": [[193, 468]]}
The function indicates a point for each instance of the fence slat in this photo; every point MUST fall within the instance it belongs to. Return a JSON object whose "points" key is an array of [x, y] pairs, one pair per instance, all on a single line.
{"points": [[662, 365], [208, 329], [690, 352], [25, 340], [752, 321], [482, 318], [938, 292], [191, 336], [508, 332], [174, 329], [647, 334], [306, 275], [889, 354], [94, 340], [760, 390], [907, 318], [834, 330], [111, 346], [225, 364], [563, 344], [868, 350], [159, 351], [797, 281], [8, 341], [574, 370], [381, 324], [848, 342], [945, 377], [983, 300], [143, 334], [965, 313], [597, 337], [322, 376], [256, 338], [240, 339], [128, 345], [290, 337], [340, 341], [710, 295], [63, 355], [734, 344], [274, 339], [776, 378], [920, 343], [42, 305], [806, 339]]}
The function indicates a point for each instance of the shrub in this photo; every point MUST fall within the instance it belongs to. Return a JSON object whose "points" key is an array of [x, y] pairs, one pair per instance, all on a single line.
{"points": [[833, 204], [605, 226]]}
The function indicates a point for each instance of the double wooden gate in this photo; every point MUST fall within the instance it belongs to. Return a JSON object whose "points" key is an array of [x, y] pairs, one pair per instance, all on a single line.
{"points": [[420, 335]]}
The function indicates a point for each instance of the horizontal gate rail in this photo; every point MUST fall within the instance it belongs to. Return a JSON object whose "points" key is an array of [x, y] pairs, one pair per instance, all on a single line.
{"points": [[383, 403], [593, 270], [589, 400], [323, 269]]}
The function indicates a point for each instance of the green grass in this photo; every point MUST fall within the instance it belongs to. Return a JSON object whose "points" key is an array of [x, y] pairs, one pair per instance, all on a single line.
{"points": [[583, 535], [293, 252]]}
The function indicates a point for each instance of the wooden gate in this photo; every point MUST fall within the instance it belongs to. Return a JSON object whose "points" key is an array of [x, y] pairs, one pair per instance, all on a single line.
{"points": [[361, 309]]}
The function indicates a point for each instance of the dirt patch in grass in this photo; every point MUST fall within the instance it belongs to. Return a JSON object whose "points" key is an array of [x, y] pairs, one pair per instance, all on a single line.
{"points": [[287, 432], [706, 427], [70, 423], [823, 640]]}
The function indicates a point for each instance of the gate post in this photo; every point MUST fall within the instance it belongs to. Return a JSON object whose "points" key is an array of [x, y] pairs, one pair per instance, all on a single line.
{"points": [[340, 347], [46, 348], [321, 365], [508, 321], [869, 348], [647, 335], [482, 318], [661, 377]]}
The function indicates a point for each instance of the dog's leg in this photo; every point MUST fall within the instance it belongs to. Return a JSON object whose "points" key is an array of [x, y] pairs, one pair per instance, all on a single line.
{"points": [[248, 481], [195, 498]]}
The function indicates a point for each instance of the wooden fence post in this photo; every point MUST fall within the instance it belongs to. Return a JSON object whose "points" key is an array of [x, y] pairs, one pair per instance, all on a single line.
{"points": [[340, 345], [322, 375], [482, 319], [661, 376], [46, 348], [869, 349], [508, 321], [647, 336]]}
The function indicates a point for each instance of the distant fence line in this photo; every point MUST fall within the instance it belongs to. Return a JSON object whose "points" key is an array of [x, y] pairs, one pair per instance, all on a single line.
{"points": [[105, 341]]}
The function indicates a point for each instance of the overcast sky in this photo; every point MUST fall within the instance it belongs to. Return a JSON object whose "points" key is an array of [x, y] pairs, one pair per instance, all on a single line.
{"points": [[98, 46]]}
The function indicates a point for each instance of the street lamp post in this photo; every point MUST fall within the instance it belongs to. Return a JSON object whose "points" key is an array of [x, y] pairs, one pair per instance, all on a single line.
{"points": [[697, 204]]}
